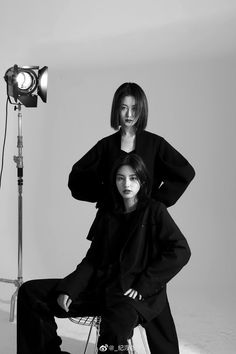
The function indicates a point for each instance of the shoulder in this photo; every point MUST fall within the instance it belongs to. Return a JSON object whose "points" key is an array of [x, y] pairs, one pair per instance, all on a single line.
{"points": [[106, 213], [153, 214], [106, 142], [101, 220], [155, 209], [151, 140], [159, 143], [109, 138], [145, 134], [156, 205]]}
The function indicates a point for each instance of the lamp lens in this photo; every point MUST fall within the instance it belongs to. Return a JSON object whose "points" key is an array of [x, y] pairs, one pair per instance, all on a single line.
{"points": [[25, 81]]}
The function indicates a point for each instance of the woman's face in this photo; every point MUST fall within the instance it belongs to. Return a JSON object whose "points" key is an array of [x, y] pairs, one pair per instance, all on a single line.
{"points": [[128, 110], [127, 183]]}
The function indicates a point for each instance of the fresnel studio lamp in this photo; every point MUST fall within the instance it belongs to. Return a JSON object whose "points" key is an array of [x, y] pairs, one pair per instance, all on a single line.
{"points": [[24, 85]]}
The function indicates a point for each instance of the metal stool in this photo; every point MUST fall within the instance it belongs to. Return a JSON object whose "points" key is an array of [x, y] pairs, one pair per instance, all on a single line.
{"points": [[95, 322]]}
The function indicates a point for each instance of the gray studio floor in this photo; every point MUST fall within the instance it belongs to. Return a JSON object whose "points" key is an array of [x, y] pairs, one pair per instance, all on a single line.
{"points": [[206, 325]]}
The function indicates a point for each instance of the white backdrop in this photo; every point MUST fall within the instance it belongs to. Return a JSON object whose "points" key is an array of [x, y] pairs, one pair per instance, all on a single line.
{"points": [[183, 55]]}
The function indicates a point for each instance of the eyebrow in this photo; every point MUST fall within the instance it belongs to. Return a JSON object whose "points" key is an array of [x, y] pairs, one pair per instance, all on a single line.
{"points": [[131, 175], [123, 104]]}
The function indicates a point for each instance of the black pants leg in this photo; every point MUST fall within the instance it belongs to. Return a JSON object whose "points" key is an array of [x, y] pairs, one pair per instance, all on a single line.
{"points": [[161, 333], [36, 326], [117, 327]]}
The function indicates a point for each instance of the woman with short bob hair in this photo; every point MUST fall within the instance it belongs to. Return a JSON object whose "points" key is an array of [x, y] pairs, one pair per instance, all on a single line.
{"points": [[134, 90], [170, 172]]}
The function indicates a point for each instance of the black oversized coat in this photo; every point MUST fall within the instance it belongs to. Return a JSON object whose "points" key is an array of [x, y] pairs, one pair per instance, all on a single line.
{"points": [[153, 253], [169, 171]]}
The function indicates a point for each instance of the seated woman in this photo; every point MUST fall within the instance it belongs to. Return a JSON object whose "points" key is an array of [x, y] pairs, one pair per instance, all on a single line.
{"points": [[136, 249]]}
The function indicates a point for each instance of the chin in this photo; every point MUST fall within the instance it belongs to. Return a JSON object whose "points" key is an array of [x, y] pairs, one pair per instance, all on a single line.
{"points": [[127, 196]]}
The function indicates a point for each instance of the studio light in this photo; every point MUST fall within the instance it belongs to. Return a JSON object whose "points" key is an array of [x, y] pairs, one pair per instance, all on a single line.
{"points": [[26, 83]]}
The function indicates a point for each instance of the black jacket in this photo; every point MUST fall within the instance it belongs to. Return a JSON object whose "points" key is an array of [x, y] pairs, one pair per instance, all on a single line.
{"points": [[170, 172], [153, 253]]}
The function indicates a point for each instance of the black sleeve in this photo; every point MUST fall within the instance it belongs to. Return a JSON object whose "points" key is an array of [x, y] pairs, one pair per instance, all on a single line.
{"points": [[173, 254], [77, 281], [85, 181], [176, 173]]}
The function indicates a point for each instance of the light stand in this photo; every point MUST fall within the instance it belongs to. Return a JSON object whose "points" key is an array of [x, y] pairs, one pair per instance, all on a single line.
{"points": [[22, 82], [19, 163]]}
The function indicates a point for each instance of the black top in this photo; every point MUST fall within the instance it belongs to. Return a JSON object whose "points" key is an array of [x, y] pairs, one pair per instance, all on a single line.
{"points": [[153, 253], [110, 265], [126, 222], [169, 171]]}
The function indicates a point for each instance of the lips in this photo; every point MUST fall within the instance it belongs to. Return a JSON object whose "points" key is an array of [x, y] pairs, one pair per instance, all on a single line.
{"points": [[126, 191]]}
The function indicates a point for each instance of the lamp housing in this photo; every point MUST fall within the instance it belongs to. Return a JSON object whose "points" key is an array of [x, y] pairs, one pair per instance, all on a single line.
{"points": [[26, 83]]}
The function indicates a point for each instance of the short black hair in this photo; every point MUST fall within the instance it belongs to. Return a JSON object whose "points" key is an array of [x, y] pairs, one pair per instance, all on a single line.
{"points": [[139, 167], [130, 89]]}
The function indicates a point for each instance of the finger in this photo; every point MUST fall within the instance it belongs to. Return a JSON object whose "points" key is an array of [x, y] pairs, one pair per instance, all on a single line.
{"points": [[128, 292], [65, 303], [60, 301], [133, 294], [69, 301]]}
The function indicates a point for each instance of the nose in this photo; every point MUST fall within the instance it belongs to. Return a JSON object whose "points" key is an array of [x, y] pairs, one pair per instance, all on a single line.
{"points": [[129, 112], [127, 182]]}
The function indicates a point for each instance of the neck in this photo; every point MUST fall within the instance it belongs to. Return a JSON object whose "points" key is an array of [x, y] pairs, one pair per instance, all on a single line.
{"points": [[128, 131], [130, 205]]}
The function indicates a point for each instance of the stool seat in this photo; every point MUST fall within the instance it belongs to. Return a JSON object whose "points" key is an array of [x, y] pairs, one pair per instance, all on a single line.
{"points": [[95, 322]]}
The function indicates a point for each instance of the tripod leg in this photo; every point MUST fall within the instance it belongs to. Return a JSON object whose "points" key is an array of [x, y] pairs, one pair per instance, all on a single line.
{"points": [[13, 303]]}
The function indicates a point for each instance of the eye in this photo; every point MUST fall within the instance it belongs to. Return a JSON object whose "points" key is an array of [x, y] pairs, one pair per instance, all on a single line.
{"points": [[119, 178], [133, 178]]}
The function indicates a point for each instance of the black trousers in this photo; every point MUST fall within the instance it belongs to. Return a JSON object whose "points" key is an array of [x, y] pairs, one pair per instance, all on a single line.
{"points": [[37, 330], [161, 333], [37, 308]]}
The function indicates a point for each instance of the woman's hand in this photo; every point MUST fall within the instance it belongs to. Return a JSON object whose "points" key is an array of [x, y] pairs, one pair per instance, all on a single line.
{"points": [[134, 294], [64, 302]]}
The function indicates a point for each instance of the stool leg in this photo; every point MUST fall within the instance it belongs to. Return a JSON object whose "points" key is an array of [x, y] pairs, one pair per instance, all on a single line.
{"points": [[141, 329], [97, 336], [131, 346], [87, 342]]}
